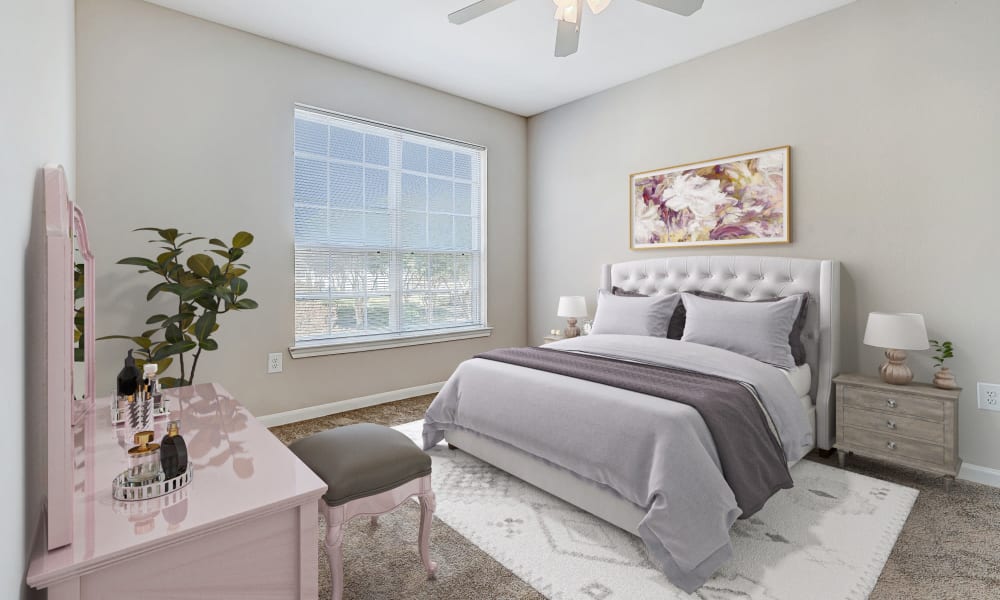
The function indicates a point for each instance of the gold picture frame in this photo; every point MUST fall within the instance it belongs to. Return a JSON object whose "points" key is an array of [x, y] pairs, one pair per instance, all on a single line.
{"points": [[732, 200]]}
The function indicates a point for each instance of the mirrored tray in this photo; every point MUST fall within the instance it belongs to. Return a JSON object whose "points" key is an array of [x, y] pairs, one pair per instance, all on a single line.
{"points": [[123, 489]]}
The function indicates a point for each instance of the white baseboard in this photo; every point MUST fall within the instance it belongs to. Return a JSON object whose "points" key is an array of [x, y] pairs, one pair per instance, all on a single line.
{"points": [[332, 408], [970, 472]]}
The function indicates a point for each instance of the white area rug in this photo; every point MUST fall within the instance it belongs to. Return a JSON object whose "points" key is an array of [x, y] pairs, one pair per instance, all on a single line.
{"points": [[828, 538]]}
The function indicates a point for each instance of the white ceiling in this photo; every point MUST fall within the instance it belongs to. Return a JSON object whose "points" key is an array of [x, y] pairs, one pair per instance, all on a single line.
{"points": [[504, 58]]}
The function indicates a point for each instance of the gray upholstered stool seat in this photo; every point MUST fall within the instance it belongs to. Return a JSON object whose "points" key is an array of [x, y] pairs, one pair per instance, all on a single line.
{"points": [[369, 470], [361, 460]]}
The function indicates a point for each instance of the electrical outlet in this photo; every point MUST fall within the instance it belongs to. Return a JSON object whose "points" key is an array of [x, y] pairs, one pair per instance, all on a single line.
{"points": [[989, 396], [274, 362]]}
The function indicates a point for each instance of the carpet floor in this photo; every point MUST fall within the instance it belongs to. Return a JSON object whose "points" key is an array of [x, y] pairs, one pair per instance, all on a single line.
{"points": [[947, 549]]}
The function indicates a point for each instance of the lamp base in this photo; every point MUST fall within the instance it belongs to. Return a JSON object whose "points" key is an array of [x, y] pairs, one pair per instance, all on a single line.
{"points": [[894, 369], [571, 329]]}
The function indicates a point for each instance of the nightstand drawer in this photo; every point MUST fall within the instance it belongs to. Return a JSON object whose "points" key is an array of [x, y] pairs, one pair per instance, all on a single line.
{"points": [[914, 406], [931, 431], [893, 445]]}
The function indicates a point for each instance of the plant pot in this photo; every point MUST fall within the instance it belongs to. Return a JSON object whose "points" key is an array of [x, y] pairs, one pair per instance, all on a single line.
{"points": [[944, 379]]}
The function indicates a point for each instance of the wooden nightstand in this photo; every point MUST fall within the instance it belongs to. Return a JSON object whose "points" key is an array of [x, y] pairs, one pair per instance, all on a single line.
{"points": [[914, 425]]}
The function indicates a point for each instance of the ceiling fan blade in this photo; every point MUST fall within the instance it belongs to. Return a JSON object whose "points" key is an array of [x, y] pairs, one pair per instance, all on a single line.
{"points": [[568, 36], [477, 9], [685, 8]]}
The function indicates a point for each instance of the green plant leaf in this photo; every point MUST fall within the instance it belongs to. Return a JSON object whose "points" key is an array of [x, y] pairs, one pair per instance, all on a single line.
{"points": [[155, 319], [163, 365], [238, 285], [235, 254], [173, 334], [169, 234], [246, 304], [223, 253], [218, 242], [171, 349], [236, 272], [167, 256], [209, 345], [203, 326], [149, 333], [139, 261], [191, 239], [168, 382], [242, 239], [201, 264], [156, 289]]}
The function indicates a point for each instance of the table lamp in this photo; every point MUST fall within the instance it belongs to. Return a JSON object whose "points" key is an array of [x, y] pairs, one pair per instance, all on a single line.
{"points": [[572, 307], [897, 333]]}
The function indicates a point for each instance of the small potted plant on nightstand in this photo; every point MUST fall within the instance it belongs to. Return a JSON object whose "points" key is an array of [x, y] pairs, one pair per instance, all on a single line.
{"points": [[943, 378]]}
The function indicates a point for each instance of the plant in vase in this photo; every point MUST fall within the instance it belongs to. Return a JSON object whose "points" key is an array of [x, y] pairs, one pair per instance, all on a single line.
{"points": [[943, 378], [202, 290]]}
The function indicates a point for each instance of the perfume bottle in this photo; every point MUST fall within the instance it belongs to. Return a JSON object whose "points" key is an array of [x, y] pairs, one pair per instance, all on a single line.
{"points": [[173, 452], [143, 459], [128, 377]]}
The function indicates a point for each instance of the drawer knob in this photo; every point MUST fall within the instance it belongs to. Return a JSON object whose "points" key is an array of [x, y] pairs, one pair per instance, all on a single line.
{"points": [[891, 403], [890, 445], [890, 424]]}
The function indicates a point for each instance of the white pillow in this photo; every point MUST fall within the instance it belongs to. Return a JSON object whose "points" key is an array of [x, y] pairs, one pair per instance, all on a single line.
{"points": [[756, 329], [629, 315]]}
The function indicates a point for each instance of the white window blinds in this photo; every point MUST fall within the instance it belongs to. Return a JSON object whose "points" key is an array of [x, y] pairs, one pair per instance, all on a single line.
{"points": [[388, 234]]}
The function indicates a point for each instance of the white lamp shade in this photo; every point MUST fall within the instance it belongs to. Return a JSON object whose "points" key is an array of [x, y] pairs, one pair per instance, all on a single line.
{"points": [[899, 331], [572, 306]]}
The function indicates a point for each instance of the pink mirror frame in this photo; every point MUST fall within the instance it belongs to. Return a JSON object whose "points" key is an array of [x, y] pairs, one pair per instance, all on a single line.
{"points": [[63, 221]]}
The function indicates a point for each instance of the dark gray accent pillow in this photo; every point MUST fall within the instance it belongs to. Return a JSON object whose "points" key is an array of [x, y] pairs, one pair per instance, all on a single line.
{"points": [[675, 330], [639, 315], [759, 330]]}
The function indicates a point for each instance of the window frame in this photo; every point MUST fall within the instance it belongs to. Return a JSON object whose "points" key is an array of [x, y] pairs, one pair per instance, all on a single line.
{"points": [[381, 340]]}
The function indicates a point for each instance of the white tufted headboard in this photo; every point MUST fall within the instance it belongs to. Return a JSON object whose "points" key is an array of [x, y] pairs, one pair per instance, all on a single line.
{"points": [[754, 278]]}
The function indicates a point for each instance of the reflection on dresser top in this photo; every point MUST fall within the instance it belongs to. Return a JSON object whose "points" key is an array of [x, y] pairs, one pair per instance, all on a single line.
{"points": [[241, 472]]}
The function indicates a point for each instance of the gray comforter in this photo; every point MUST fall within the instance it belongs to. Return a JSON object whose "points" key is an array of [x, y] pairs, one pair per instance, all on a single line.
{"points": [[655, 453]]}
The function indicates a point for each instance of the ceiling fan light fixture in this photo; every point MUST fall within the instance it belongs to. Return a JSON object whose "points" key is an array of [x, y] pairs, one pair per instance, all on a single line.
{"points": [[567, 10], [596, 6]]}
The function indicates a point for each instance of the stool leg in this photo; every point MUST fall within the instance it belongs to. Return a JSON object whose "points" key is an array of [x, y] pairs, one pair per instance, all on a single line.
{"points": [[427, 506], [334, 548]]}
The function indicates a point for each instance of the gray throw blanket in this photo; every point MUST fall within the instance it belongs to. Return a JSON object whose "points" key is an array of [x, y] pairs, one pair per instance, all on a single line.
{"points": [[751, 457]]}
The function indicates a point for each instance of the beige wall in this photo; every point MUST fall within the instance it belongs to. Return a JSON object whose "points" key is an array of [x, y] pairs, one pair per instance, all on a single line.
{"points": [[890, 107], [187, 123], [36, 127]]}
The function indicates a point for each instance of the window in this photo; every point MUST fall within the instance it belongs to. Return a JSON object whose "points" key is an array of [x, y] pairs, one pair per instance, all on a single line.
{"points": [[389, 243]]}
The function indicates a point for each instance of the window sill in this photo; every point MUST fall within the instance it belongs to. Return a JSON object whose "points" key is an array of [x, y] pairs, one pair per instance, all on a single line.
{"points": [[325, 347]]}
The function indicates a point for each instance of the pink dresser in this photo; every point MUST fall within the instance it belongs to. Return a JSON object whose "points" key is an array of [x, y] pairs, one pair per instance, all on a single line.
{"points": [[245, 527]]}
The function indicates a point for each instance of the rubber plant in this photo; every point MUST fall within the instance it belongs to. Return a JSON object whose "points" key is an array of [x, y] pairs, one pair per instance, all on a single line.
{"points": [[202, 289]]}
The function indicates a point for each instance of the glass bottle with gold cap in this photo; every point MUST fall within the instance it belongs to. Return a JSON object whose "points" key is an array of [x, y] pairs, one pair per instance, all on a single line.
{"points": [[143, 459], [173, 451]]}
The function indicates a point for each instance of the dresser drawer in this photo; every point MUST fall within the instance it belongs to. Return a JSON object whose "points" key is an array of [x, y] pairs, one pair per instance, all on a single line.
{"points": [[931, 431], [914, 406], [894, 445]]}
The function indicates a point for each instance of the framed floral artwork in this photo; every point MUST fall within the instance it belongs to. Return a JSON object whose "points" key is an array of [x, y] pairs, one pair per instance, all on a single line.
{"points": [[741, 199]]}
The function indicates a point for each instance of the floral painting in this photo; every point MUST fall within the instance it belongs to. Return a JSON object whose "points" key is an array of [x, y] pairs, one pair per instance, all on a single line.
{"points": [[734, 200]]}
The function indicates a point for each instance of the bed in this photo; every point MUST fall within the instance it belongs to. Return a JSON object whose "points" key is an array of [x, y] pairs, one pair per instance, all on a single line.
{"points": [[521, 420]]}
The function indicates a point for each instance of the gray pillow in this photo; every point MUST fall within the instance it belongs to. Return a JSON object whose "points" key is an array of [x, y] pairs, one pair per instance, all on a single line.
{"points": [[759, 330], [633, 316], [676, 328]]}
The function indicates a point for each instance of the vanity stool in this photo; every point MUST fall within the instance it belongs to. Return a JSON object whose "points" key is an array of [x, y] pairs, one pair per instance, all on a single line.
{"points": [[369, 470]]}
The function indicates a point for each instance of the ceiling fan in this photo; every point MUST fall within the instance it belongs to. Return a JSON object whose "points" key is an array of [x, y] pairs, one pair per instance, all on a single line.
{"points": [[569, 14]]}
